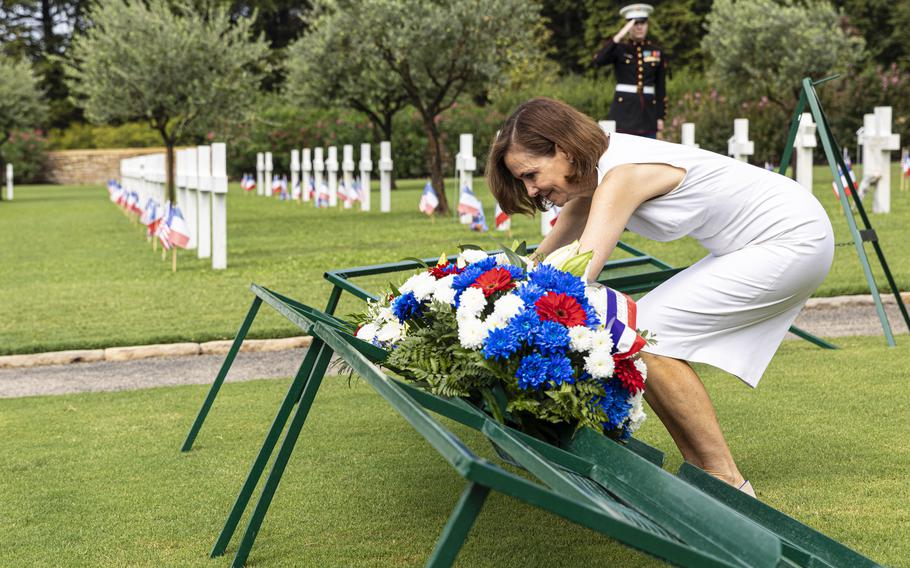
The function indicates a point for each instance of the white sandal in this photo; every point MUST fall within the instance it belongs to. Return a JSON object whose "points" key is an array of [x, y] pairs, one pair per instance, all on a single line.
{"points": [[746, 488]]}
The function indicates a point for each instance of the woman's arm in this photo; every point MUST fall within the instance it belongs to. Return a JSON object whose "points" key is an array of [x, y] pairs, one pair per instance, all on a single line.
{"points": [[620, 193], [569, 225]]}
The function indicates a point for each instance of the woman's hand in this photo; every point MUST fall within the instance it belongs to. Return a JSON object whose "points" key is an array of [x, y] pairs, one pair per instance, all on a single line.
{"points": [[622, 33]]}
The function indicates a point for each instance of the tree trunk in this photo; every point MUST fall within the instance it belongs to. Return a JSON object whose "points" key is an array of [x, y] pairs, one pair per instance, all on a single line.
{"points": [[169, 143], [436, 177], [387, 118], [169, 168]]}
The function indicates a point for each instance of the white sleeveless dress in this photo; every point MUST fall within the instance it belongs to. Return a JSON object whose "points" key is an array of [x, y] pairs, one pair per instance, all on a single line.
{"points": [[770, 244]]}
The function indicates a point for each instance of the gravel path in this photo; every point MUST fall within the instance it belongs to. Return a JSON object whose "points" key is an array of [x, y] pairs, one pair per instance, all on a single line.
{"points": [[829, 320]]}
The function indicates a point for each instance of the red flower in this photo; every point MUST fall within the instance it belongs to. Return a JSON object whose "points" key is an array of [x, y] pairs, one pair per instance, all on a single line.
{"points": [[440, 271], [629, 375], [494, 280], [560, 308]]}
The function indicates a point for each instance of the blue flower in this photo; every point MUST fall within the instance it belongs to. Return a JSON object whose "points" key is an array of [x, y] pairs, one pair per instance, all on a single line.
{"points": [[406, 307], [560, 370], [500, 344], [516, 271], [551, 337], [538, 371], [615, 404], [523, 326], [530, 293], [469, 276], [551, 279], [532, 372]]}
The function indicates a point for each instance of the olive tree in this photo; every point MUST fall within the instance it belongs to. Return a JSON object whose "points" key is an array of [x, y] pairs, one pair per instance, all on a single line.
{"points": [[329, 66], [21, 101], [766, 47], [440, 50], [169, 62]]}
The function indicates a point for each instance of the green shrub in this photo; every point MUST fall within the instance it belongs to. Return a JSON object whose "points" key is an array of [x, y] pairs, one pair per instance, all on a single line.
{"points": [[79, 136], [27, 151]]}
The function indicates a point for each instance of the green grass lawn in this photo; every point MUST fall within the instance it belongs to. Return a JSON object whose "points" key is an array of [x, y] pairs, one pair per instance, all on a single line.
{"points": [[98, 479], [75, 273]]}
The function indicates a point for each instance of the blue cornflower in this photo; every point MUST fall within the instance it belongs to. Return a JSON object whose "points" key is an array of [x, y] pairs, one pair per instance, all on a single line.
{"points": [[551, 338], [500, 344], [406, 307]]}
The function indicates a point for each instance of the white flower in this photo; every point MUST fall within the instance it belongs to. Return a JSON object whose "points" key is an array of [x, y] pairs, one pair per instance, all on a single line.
{"points": [[600, 364], [386, 315], [508, 307], [502, 259], [472, 301], [443, 292], [601, 341], [391, 332], [471, 332], [642, 368], [580, 338], [637, 414], [472, 255], [494, 322], [597, 298], [367, 332], [421, 284]]}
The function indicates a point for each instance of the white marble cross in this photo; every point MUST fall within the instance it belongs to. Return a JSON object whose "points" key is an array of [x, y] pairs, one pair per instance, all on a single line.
{"points": [[347, 172], [366, 167], [204, 175], [260, 173], [739, 146], [878, 142], [804, 143], [331, 168], [219, 205], [385, 177], [688, 135]]}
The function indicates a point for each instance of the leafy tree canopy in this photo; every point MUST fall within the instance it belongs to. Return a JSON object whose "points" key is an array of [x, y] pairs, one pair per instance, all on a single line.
{"points": [[767, 47], [21, 100], [168, 63]]}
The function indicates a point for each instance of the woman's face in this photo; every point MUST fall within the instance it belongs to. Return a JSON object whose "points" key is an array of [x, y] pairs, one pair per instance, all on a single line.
{"points": [[639, 30], [543, 175]]}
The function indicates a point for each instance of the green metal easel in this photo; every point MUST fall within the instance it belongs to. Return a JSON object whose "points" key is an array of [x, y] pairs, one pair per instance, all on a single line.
{"points": [[835, 161]]}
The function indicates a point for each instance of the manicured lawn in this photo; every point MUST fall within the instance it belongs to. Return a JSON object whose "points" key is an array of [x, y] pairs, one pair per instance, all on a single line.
{"points": [[98, 479], [75, 273]]}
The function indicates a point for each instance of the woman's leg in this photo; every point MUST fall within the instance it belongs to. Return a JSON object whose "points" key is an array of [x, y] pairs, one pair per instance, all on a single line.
{"points": [[680, 400]]}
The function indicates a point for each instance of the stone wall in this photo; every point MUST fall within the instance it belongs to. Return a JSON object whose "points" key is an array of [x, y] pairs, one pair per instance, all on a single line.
{"points": [[74, 167]]}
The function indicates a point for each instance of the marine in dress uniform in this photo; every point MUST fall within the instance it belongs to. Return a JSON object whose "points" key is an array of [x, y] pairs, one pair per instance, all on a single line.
{"points": [[640, 67]]}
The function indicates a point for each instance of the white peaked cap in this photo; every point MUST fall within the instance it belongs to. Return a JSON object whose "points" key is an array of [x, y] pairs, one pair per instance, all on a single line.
{"points": [[635, 11]]}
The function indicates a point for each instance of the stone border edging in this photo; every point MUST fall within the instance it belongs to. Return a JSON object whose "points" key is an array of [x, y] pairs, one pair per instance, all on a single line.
{"points": [[858, 300], [250, 345], [148, 351]]}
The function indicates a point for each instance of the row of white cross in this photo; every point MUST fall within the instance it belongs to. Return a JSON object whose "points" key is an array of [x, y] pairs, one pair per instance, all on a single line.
{"points": [[875, 136], [315, 167], [877, 141], [200, 176]]}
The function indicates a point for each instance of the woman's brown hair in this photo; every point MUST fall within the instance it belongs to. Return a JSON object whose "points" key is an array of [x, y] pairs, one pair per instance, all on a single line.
{"points": [[538, 126]]}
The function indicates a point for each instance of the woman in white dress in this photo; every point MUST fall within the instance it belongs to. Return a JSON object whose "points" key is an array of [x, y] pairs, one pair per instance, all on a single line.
{"points": [[769, 241]]}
